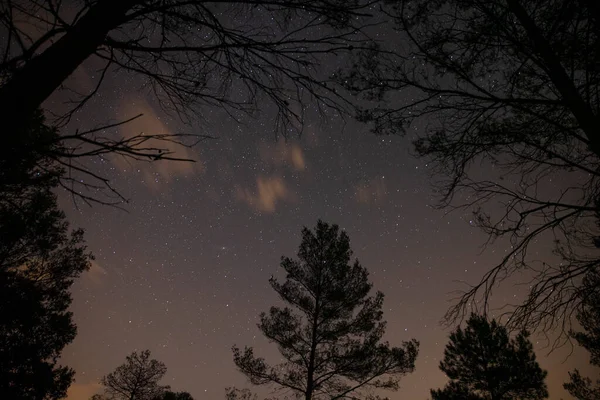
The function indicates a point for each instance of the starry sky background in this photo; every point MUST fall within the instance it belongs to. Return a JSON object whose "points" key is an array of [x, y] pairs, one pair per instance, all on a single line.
{"points": [[184, 270]]}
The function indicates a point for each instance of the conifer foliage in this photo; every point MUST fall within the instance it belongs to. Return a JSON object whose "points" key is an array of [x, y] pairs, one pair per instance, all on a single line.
{"points": [[40, 258], [484, 363], [137, 379], [330, 333]]}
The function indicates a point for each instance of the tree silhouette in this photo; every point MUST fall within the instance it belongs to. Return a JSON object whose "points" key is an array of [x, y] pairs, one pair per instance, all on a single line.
{"points": [[580, 387], [25, 165], [330, 334], [39, 262], [39, 259], [136, 379], [514, 86], [168, 395], [484, 363], [232, 393], [38, 158], [194, 56]]}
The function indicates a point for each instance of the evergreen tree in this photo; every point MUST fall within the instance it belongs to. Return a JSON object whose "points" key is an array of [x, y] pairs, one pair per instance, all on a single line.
{"points": [[580, 387], [330, 333], [168, 395], [232, 393], [484, 363], [39, 259], [27, 163], [136, 379]]}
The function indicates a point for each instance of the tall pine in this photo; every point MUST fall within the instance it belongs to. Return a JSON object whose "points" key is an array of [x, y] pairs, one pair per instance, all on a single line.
{"points": [[330, 333], [484, 363], [40, 258]]}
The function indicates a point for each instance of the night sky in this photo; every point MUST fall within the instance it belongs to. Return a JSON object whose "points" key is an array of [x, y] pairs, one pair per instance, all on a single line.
{"points": [[184, 270]]}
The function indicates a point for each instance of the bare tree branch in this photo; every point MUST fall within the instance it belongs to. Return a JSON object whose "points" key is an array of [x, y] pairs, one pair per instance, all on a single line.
{"points": [[511, 87]]}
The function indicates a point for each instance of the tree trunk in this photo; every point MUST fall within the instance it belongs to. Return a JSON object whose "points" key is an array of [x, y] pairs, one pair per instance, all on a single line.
{"points": [[310, 373], [31, 85], [571, 97]]}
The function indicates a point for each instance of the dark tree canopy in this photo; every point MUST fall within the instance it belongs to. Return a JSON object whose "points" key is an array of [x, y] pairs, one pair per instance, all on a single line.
{"points": [[232, 393], [137, 379], [582, 388], [39, 259], [484, 363], [513, 86], [193, 56], [455, 391], [27, 165], [168, 395], [38, 158], [330, 333]]}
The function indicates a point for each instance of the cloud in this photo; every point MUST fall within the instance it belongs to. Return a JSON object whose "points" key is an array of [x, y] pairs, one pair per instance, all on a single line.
{"points": [[372, 191], [96, 273], [79, 391], [160, 171], [269, 192], [289, 154]]}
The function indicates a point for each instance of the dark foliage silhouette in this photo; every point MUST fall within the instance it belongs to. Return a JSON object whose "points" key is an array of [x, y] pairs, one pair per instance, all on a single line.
{"points": [[168, 395], [330, 333], [38, 157], [193, 56], [137, 379], [232, 393], [582, 388], [39, 259], [484, 363], [512, 86]]}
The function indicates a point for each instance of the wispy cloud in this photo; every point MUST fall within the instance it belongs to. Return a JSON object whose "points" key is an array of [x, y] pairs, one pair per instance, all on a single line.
{"points": [[371, 191], [161, 171], [283, 154], [269, 192], [96, 274]]}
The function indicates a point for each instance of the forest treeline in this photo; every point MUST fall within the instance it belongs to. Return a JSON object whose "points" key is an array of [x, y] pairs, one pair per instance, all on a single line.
{"points": [[509, 84]]}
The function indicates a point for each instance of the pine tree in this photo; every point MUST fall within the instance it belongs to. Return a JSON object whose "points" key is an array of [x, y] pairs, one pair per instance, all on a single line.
{"points": [[330, 333], [168, 395], [484, 363], [136, 379], [40, 257]]}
